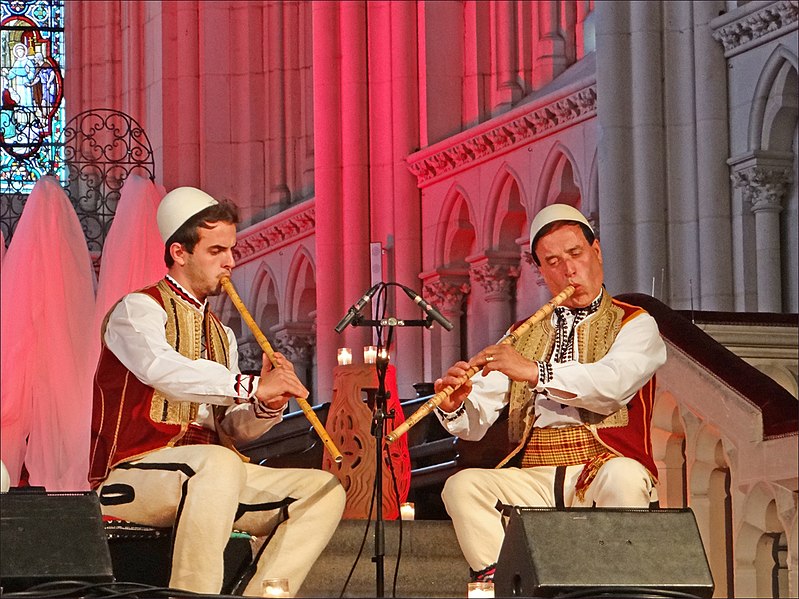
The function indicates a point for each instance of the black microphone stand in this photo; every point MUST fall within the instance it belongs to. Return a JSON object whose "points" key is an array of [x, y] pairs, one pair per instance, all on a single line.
{"points": [[378, 431]]}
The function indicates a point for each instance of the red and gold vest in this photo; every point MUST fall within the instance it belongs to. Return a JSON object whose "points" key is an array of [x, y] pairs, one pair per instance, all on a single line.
{"points": [[626, 432], [131, 419]]}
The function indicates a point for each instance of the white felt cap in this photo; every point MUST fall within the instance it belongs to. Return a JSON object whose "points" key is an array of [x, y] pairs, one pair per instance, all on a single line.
{"points": [[178, 206], [553, 213]]}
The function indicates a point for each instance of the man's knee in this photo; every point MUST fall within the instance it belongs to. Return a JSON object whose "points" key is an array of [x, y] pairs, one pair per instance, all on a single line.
{"points": [[221, 463], [622, 482], [458, 485]]}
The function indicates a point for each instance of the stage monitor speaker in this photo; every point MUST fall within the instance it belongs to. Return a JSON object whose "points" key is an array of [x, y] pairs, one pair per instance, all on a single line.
{"points": [[549, 552], [51, 537]]}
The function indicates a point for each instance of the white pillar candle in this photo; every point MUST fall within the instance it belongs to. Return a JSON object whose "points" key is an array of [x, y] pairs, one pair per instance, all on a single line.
{"points": [[344, 356]]}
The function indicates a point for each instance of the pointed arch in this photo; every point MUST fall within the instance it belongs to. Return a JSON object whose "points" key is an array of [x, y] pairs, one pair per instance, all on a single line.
{"points": [[265, 298], [300, 303], [767, 122], [560, 181], [505, 215], [455, 231]]}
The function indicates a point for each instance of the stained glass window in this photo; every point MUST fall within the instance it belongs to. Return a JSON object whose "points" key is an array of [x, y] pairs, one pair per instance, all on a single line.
{"points": [[32, 83]]}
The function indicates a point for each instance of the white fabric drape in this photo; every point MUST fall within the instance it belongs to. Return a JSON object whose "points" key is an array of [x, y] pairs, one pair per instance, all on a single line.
{"points": [[47, 302], [133, 252]]}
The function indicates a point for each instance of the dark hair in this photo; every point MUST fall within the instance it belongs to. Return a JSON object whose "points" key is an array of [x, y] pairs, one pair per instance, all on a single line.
{"points": [[188, 233], [587, 232]]}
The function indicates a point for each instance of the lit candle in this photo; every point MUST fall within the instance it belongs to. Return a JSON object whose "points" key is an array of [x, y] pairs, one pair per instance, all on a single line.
{"points": [[275, 587], [480, 589], [369, 354], [384, 354], [344, 356], [407, 511]]}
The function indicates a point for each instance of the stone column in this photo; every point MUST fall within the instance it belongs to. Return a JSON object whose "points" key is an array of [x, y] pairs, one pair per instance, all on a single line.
{"points": [[764, 186], [447, 292], [330, 293], [712, 143], [550, 47], [497, 275]]}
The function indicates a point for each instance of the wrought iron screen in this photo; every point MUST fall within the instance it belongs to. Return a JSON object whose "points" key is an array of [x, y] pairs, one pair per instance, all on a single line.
{"points": [[102, 147]]}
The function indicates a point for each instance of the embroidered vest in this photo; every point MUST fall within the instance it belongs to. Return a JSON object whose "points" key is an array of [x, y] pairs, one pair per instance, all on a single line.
{"points": [[131, 419], [626, 432]]}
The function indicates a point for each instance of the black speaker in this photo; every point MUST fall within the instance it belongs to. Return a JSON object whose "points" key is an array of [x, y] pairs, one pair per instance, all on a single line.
{"points": [[51, 537], [585, 551]]}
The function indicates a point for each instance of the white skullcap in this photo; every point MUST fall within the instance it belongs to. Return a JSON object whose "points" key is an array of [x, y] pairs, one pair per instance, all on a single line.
{"points": [[178, 206], [553, 213]]}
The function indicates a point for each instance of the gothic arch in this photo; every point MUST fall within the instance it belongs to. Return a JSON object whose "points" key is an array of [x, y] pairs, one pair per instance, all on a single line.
{"points": [[265, 298], [505, 216], [560, 180], [760, 525], [769, 123], [455, 234], [668, 448], [301, 288], [711, 495]]}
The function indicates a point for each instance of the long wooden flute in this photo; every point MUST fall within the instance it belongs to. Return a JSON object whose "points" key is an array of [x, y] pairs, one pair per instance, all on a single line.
{"points": [[511, 337], [270, 353]]}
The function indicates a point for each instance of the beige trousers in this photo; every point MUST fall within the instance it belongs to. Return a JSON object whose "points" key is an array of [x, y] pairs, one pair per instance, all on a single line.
{"points": [[471, 497], [206, 491]]}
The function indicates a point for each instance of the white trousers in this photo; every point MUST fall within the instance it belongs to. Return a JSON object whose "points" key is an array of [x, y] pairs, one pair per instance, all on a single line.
{"points": [[471, 497], [206, 491]]}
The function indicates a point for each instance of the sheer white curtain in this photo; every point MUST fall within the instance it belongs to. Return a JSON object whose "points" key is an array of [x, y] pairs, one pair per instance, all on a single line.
{"points": [[133, 252], [47, 299]]}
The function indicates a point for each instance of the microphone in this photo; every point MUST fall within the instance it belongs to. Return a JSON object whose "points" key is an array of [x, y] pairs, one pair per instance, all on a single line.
{"points": [[357, 307], [430, 310]]}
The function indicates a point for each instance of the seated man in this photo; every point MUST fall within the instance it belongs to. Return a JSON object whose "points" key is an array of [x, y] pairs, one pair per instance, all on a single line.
{"points": [[170, 404], [580, 385]]}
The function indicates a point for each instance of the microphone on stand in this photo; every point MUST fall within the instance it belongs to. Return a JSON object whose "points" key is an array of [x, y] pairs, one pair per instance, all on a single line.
{"points": [[356, 308], [431, 311]]}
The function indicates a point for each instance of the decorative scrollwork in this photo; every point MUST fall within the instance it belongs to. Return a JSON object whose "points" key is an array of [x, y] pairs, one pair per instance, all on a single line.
{"points": [[102, 148]]}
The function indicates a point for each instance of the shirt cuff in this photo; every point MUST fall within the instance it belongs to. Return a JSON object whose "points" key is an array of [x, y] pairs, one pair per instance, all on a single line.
{"points": [[261, 411], [450, 416], [545, 375]]}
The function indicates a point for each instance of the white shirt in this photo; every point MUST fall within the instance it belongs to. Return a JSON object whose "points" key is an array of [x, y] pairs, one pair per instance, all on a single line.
{"points": [[135, 334], [602, 387]]}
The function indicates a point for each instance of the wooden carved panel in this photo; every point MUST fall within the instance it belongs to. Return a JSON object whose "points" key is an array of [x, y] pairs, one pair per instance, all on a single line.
{"points": [[349, 424]]}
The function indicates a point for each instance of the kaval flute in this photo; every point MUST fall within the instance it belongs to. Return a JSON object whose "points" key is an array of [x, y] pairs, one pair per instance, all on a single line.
{"points": [[270, 353], [512, 337]]}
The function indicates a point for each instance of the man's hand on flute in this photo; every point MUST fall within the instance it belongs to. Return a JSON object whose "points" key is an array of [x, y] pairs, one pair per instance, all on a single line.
{"points": [[278, 384], [505, 359], [458, 378]]}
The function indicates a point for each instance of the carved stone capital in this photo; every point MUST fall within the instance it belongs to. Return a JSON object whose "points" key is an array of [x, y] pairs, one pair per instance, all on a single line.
{"points": [[496, 276], [297, 341], [763, 186], [447, 293], [250, 356]]}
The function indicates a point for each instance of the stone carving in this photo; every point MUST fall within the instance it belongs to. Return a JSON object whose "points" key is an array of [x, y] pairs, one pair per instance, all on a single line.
{"points": [[755, 25], [250, 356], [498, 280], [763, 187], [445, 294], [297, 347], [507, 134], [274, 235]]}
